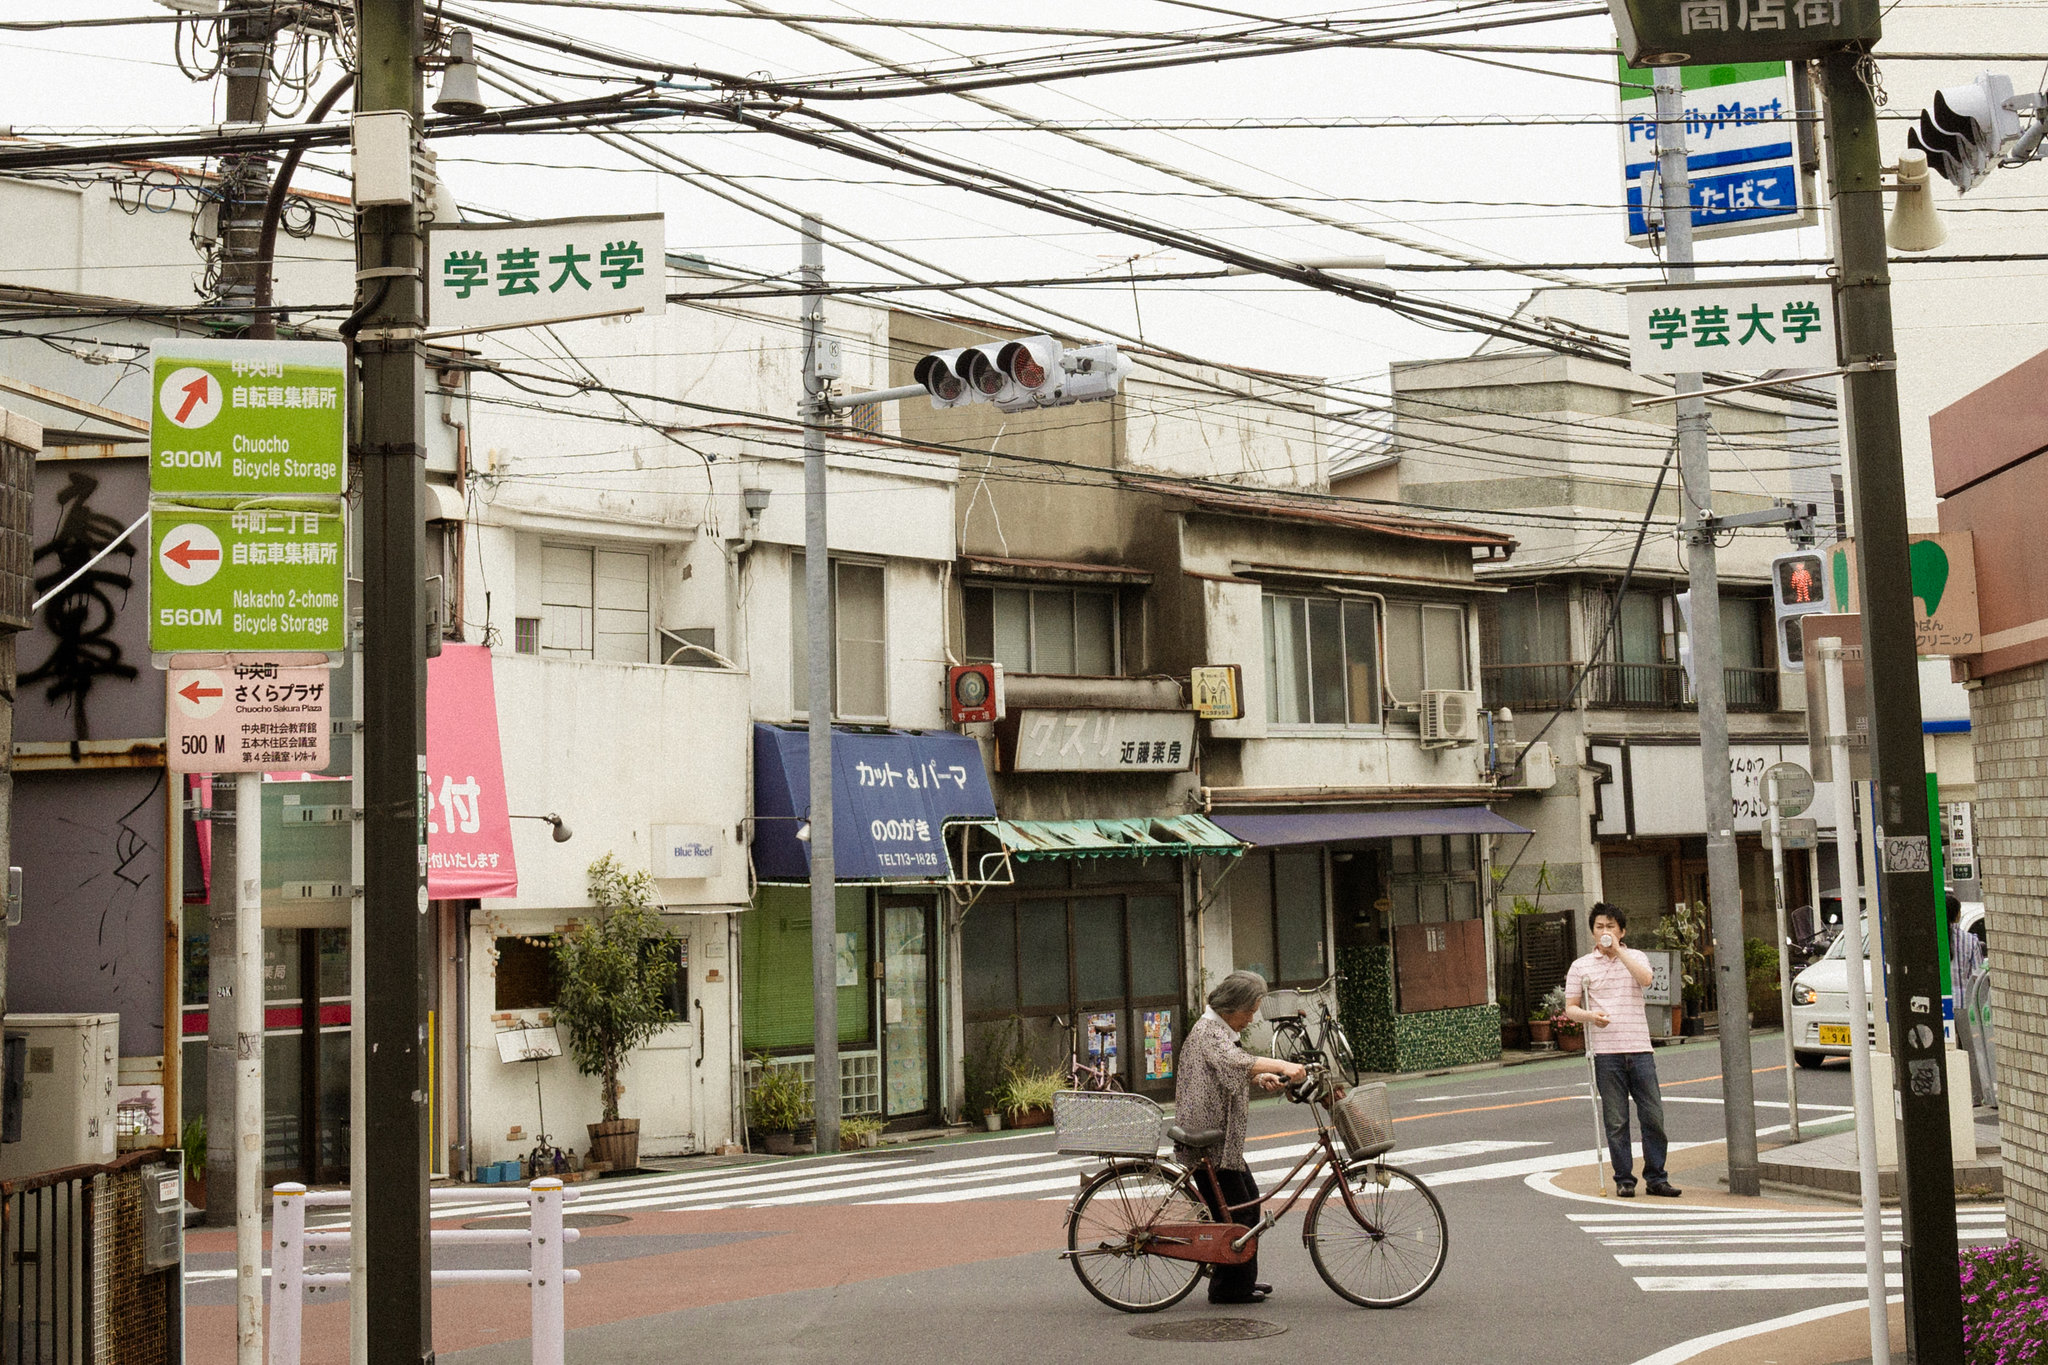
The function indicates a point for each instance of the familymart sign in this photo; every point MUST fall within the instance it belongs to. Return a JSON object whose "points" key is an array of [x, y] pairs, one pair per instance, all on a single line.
{"points": [[1733, 328]]}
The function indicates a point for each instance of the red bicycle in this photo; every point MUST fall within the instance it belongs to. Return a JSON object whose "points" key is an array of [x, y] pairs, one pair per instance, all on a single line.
{"points": [[1091, 1076], [1140, 1235]]}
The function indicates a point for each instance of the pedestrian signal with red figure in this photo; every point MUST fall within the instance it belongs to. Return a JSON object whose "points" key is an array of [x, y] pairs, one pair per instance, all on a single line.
{"points": [[1798, 588]]}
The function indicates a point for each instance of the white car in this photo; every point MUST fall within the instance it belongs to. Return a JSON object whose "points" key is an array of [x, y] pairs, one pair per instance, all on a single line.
{"points": [[1820, 996]]}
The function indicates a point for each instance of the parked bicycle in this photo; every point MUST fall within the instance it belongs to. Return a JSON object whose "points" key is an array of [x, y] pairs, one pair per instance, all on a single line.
{"points": [[1083, 1075], [1140, 1235], [1287, 1012]]}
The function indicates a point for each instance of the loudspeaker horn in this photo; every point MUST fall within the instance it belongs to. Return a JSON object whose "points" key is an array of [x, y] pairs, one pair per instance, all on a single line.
{"points": [[1915, 224]]}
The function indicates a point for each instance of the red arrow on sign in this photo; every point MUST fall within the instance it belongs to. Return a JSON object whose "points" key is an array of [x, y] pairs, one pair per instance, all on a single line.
{"points": [[192, 691], [182, 554], [195, 394]]}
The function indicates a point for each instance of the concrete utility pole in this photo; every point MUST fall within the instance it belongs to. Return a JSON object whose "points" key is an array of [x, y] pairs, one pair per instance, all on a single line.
{"points": [[1912, 920], [221, 1009], [818, 615], [248, 30], [1724, 876], [398, 933]]}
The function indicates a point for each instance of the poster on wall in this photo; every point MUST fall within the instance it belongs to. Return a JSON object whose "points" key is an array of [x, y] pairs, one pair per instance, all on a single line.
{"points": [[1102, 1041], [1158, 1045], [847, 959]]}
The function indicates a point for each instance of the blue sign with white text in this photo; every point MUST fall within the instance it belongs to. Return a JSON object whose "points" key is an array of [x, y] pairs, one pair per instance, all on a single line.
{"points": [[1742, 142]]}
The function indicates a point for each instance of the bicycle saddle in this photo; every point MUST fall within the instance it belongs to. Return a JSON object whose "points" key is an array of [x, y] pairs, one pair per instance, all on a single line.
{"points": [[1207, 1137]]}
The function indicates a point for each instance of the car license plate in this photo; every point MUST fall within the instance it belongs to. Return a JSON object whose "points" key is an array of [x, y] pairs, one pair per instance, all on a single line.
{"points": [[1834, 1035]]}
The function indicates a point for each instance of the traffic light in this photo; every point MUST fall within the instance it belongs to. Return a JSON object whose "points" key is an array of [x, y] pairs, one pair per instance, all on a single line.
{"points": [[1798, 588], [1966, 130], [1016, 376]]}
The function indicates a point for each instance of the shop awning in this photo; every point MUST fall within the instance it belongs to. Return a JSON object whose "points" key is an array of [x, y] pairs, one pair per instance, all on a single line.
{"points": [[1336, 827], [893, 791], [1169, 836]]}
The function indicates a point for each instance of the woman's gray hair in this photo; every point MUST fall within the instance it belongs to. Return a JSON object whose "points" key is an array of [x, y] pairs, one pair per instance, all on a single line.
{"points": [[1238, 992]]}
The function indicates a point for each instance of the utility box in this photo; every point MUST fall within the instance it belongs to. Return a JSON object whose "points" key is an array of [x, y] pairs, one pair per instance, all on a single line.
{"points": [[163, 1217], [67, 1092]]}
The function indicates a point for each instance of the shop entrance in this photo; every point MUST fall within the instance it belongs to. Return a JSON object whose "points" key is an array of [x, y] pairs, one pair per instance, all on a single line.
{"points": [[909, 1013], [305, 1052]]}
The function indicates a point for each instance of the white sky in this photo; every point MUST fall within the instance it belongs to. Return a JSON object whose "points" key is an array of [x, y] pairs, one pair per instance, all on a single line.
{"points": [[1529, 193]]}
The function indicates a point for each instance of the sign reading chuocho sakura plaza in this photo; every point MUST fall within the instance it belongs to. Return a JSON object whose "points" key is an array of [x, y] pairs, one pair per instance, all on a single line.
{"points": [[247, 717], [488, 275], [1736, 327], [469, 825]]}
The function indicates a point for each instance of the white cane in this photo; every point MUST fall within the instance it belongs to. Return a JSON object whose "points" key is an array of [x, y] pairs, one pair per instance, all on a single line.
{"points": [[1593, 1088]]}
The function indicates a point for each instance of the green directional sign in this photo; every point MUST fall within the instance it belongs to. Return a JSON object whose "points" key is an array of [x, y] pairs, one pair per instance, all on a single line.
{"points": [[267, 578], [256, 418]]}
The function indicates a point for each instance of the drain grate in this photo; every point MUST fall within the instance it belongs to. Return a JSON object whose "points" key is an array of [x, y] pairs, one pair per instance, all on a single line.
{"points": [[1209, 1329]]}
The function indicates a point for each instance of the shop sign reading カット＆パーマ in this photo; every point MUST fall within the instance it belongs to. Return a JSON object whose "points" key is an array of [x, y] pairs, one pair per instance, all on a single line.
{"points": [[248, 457]]}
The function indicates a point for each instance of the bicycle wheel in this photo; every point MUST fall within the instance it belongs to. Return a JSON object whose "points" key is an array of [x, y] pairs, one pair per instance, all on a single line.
{"points": [[1290, 1042], [1341, 1056], [1110, 1224], [1395, 1259]]}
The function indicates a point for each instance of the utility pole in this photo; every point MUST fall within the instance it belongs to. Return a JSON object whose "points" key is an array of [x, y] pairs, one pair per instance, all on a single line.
{"points": [[222, 1007], [397, 931], [1784, 953], [248, 30], [818, 615], [1912, 921], [249, 1127], [1724, 876]]}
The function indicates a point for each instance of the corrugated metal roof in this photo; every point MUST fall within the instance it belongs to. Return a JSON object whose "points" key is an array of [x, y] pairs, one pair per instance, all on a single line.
{"points": [[1169, 836]]}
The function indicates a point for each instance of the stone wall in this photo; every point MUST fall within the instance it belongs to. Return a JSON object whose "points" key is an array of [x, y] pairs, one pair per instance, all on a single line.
{"points": [[2009, 717]]}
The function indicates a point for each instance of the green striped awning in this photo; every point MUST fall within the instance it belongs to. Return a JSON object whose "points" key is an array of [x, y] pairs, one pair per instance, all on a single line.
{"points": [[1170, 836]]}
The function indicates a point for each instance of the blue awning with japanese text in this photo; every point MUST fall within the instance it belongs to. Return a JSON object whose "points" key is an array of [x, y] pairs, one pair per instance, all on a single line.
{"points": [[892, 792]]}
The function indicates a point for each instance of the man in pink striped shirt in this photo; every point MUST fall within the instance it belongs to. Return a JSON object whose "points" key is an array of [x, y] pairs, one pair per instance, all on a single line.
{"points": [[1604, 992]]}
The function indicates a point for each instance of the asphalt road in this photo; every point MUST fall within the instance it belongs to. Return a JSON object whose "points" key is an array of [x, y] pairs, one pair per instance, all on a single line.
{"points": [[947, 1251]]}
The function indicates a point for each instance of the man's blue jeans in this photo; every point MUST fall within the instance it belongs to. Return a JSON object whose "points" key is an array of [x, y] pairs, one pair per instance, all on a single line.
{"points": [[1622, 1076]]}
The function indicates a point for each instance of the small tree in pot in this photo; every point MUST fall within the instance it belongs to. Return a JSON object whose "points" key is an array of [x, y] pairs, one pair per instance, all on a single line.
{"points": [[612, 974]]}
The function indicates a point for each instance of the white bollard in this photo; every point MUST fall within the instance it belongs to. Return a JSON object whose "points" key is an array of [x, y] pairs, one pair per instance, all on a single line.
{"points": [[287, 1271], [550, 1330]]}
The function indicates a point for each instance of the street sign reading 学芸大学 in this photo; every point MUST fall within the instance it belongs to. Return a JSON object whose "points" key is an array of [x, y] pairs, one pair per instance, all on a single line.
{"points": [[1749, 149], [483, 276], [1737, 327], [247, 461]]}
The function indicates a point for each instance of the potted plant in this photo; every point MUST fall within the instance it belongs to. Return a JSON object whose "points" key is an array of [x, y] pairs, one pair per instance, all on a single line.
{"points": [[193, 1140], [862, 1130], [1027, 1096], [778, 1103], [1539, 1029], [1685, 932], [1569, 1032], [612, 975]]}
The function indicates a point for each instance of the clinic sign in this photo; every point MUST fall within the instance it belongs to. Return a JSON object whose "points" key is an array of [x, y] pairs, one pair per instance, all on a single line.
{"points": [[1748, 151], [1739, 327], [486, 276], [247, 460]]}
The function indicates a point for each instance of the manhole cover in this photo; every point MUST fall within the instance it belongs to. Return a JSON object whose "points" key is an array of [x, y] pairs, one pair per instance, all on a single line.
{"points": [[569, 1220], [1209, 1329]]}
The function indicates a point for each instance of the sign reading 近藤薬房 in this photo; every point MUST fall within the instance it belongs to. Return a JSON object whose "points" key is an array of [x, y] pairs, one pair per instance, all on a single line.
{"points": [[519, 274], [1737, 327]]}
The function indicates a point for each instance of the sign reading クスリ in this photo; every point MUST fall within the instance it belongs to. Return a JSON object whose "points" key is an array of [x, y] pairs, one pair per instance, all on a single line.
{"points": [[248, 417], [268, 579]]}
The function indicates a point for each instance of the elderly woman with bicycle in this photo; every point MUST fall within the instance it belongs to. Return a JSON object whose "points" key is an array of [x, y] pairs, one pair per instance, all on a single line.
{"points": [[1213, 1092]]}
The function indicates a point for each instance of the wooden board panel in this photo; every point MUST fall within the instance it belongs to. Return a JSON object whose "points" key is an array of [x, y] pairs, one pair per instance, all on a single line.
{"points": [[1440, 966]]}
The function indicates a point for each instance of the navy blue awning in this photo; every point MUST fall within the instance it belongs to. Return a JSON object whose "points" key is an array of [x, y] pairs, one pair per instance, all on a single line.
{"points": [[1336, 827], [892, 792]]}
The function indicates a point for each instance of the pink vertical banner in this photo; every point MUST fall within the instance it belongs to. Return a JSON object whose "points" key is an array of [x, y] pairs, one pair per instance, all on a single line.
{"points": [[469, 826]]}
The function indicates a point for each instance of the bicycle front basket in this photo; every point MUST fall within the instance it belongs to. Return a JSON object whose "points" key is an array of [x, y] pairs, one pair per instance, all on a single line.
{"points": [[1284, 1003], [1365, 1120], [1106, 1123]]}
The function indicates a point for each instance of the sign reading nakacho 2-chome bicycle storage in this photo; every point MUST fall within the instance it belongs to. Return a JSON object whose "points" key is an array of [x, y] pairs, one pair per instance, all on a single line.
{"points": [[247, 460]]}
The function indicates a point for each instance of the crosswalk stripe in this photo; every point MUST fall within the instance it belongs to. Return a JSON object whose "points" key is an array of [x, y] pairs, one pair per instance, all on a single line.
{"points": [[1675, 1260], [1713, 1284]]}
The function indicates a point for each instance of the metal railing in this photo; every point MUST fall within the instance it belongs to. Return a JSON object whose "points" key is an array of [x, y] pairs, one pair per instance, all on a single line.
{"points": [[81, 1281], [1620, 687], [544, 1237]]}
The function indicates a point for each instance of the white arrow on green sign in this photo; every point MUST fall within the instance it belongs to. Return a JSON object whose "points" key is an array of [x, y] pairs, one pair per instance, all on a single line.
{"points": [[248, 455]]}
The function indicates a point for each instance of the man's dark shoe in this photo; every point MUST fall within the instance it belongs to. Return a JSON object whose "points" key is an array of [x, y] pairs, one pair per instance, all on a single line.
{"points": [[1664, 1189], [1626, 1191], [1262, 1289]]}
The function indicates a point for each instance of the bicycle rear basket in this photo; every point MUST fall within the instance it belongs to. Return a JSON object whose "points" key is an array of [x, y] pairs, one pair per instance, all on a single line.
{"points": [[1106, 1123], [1282, 1004], [1365, 1120]]}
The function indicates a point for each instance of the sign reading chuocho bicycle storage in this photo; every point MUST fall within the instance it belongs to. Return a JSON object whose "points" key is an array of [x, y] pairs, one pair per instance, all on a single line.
{"points": [[482, 276], [1740, 327], [248, 454], [247, 717]]}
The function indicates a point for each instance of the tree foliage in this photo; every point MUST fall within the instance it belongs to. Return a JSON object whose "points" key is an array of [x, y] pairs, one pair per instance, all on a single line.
{"points": [[612, 974]]}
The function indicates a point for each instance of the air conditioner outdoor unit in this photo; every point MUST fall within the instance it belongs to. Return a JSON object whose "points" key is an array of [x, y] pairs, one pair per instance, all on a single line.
{"points": [[1450, 717]]}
